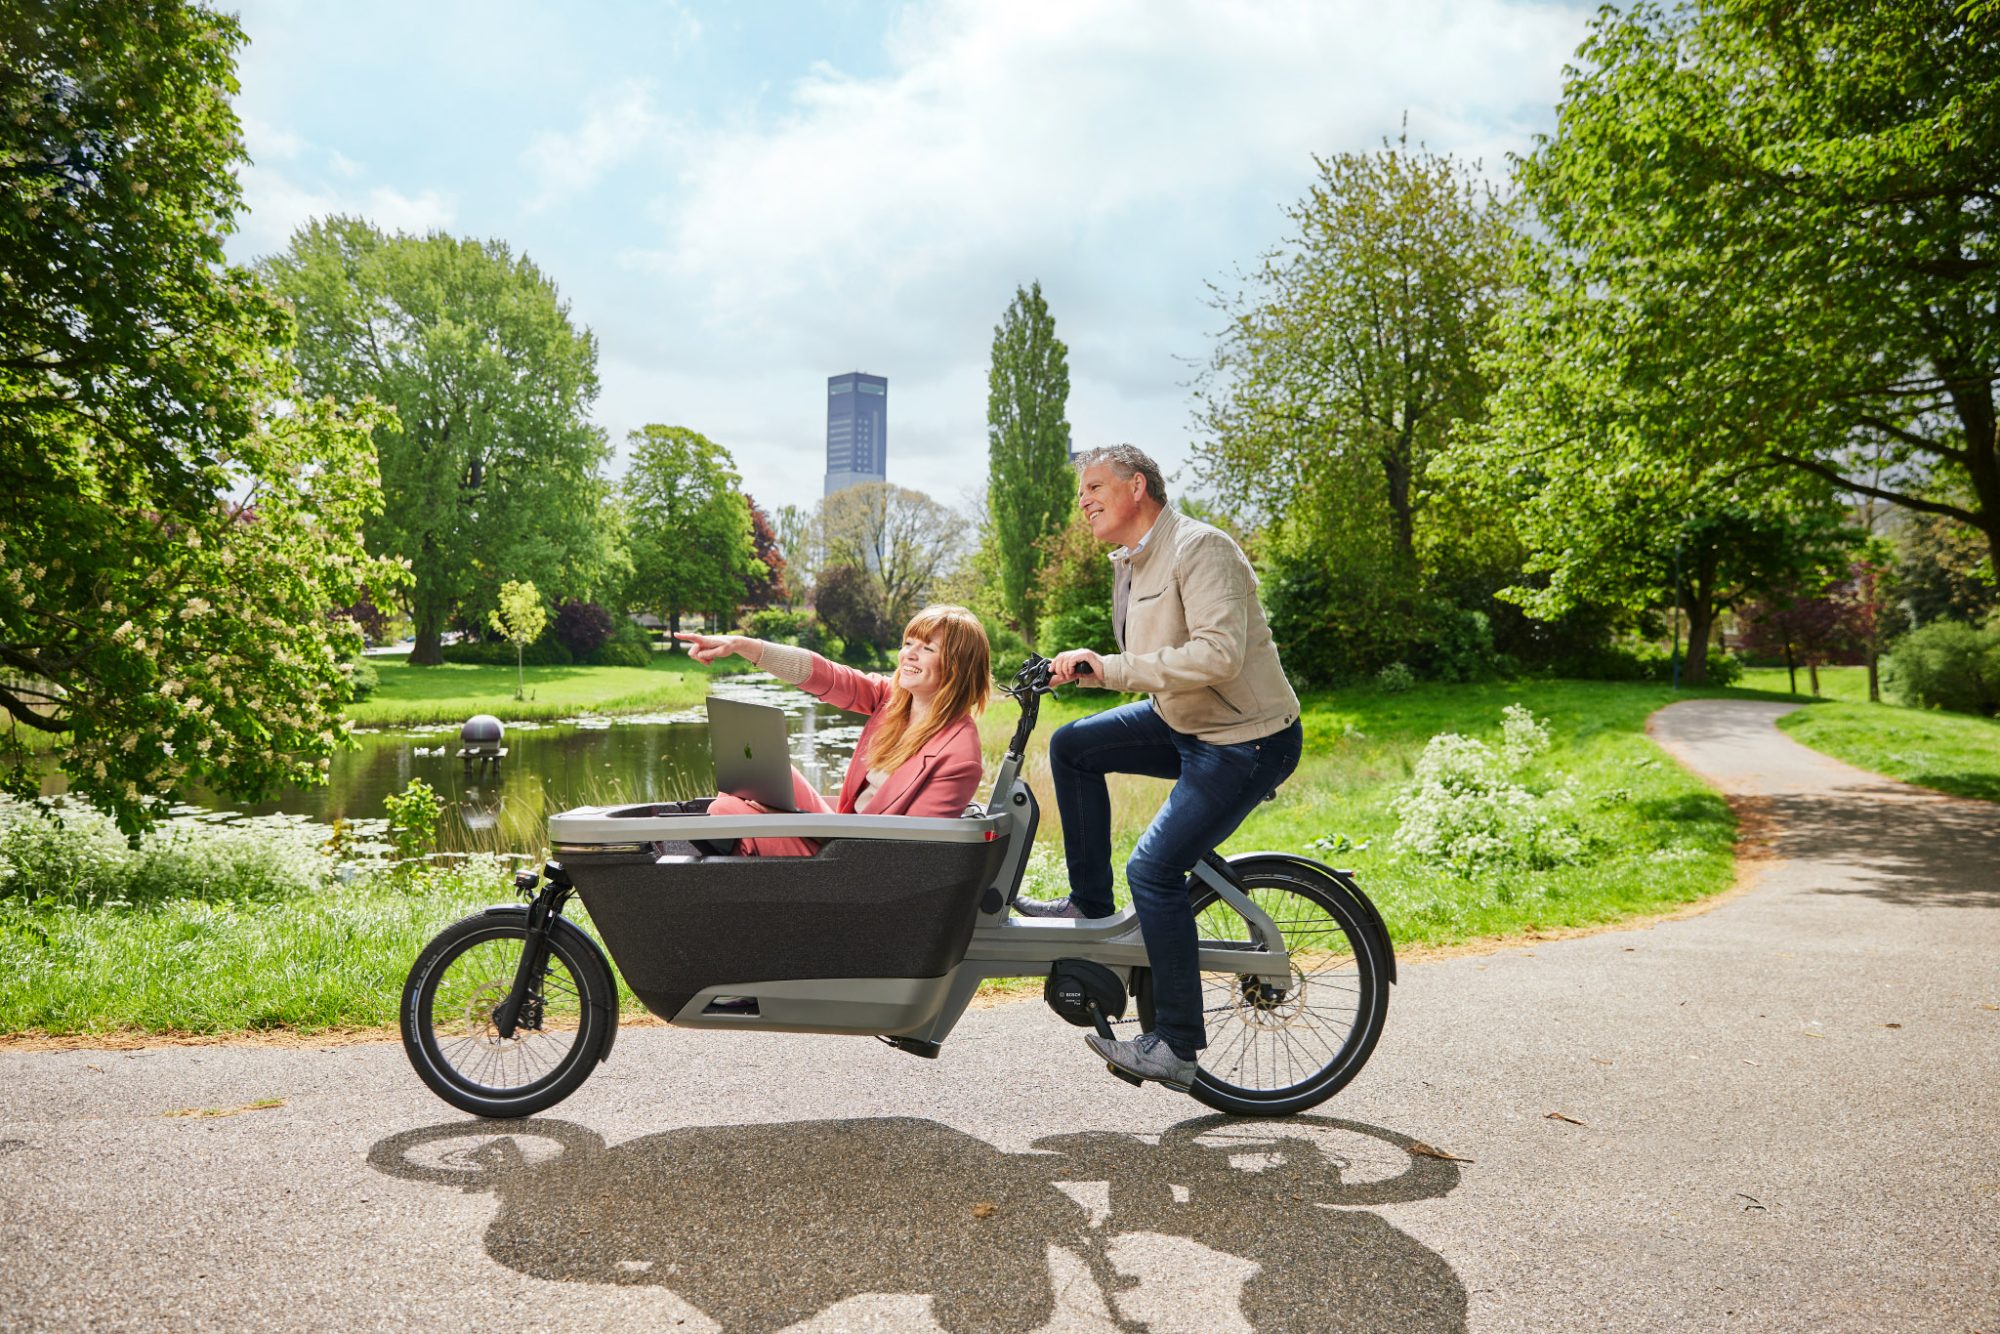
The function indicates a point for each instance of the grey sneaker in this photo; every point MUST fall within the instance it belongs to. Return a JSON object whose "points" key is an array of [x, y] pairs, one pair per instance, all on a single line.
{"points": [[1061, 907], [1145, 1057]]}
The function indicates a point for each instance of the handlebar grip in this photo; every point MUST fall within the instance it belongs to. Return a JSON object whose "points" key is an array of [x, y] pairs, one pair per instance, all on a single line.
{"points": [[1085, 669]]}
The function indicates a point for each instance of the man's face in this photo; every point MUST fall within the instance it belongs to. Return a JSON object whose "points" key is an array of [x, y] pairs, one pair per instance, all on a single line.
{"points": [[1113, 506]]}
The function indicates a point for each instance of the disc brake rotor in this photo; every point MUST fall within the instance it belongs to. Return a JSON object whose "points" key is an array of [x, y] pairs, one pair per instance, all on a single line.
{"points": [[1260, 1006]]}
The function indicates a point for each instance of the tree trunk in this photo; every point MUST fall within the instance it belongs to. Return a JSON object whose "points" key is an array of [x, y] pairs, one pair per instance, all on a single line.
{"points": [[1791, 668], [1874, 671], [1701, 621], [1396, 470], [428, 648], [1812, 674]]}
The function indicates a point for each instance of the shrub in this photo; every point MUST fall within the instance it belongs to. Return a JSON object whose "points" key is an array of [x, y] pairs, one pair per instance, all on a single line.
{"points": [[628, 646], [1467, 808], [544, 652], [582, 628], [786, 627], [1453, 643], [1395, 679], [1948, 665], [413, 818], [1079, 627], [363, 680]]}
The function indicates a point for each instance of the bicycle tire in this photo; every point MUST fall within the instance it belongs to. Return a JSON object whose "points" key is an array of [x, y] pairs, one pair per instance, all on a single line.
{"points": [[564, 1030], [1271, 1055]]}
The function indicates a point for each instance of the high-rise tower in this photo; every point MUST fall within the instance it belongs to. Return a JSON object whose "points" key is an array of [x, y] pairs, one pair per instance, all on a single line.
{"points": [[857, 430]]}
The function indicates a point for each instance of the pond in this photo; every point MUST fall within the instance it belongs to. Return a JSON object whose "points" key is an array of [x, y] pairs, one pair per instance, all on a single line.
{"points": [[552, 767]]}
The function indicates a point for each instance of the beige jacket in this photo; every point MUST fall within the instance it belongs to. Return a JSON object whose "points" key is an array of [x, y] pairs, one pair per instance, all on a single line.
{"points": [[1192, 635]]}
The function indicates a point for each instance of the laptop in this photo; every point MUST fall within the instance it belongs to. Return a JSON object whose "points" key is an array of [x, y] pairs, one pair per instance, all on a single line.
{"points": [[752, 757]]}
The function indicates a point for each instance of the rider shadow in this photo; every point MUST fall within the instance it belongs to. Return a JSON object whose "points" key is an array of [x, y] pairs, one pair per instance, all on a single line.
{"points": [[1222, 1224]]}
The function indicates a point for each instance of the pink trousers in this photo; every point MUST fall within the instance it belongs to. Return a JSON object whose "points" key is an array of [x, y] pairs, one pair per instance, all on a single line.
{"points": [[804, 796]]}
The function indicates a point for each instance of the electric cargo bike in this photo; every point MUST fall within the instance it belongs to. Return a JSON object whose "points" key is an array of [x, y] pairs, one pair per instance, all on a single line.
{"points": [[886, 931]]}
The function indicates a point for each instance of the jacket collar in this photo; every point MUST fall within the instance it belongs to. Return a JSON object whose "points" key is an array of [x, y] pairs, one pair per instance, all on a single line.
{"points": [[1156, 537]]}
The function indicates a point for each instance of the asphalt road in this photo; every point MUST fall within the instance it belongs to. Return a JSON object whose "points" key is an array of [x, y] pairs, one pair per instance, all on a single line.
{"points": [[1780, 1114]]}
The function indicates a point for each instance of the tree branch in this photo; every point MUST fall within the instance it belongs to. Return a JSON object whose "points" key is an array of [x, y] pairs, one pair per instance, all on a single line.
{"points": [[1835, 476]]}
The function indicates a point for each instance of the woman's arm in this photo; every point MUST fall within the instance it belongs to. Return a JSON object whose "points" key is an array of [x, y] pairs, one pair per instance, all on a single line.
{"points": [[842, 687]]}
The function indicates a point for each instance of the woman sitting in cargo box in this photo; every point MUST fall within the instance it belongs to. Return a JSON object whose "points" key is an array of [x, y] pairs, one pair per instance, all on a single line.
{"points": [[918, 754]]}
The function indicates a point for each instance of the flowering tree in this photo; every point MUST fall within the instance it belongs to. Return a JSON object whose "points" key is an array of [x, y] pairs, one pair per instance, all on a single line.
{"points": [[177, 529]]}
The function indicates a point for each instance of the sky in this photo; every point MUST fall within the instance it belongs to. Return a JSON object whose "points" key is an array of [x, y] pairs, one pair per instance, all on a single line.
{"points": [[740, 200]]}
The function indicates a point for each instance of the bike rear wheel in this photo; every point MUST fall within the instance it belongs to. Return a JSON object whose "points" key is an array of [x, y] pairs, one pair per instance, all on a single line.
{"points": [[1271, 1051], [458, 982]]}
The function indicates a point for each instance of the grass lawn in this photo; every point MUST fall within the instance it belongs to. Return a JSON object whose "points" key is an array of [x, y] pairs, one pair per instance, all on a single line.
{"points": [[1948, 752], [1848, 684], [95, 939], [1655, 837], [453, 692]]}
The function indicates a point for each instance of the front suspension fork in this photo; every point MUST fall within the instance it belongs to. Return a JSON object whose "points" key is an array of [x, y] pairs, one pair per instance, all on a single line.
{"points": [[543, 910]]}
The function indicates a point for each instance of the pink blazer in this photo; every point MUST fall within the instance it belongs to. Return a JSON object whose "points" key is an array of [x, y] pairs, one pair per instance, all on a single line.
{"points": [[939, 780]]}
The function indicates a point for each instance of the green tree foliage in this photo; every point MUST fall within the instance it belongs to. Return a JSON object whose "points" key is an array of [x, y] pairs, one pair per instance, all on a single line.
{"points": [[176, 533], [491, 464], [520, 618], [1355, 355], [691, 536], [850, 602], [1073, 596], [1771, 238], [1030, 486], [1345, 369], [901, 539]]}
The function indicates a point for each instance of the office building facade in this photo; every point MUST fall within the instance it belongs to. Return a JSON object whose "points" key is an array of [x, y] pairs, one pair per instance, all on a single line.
{"points": [[857, 430]]}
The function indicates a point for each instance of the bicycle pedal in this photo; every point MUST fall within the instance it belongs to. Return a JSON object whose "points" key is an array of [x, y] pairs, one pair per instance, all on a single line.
{"points": [[1125, 1075]]}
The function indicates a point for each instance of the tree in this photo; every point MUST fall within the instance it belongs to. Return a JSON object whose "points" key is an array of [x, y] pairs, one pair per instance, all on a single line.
{"points": [[902, 539], [850, 602], [1073, 596], [691, 535], [1772, 231], [491, 463], [1030, 486], [797, 533], [1356, 355], [521, 618], [1596, 536], [177, 531], [764, 581]]}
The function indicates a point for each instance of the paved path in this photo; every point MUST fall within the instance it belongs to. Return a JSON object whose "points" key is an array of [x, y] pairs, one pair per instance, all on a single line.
{"points": [[1789, 1116]]}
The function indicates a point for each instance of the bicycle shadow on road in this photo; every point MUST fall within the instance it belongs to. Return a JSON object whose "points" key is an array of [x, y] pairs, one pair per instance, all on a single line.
{"points": [[1220, 1224]]}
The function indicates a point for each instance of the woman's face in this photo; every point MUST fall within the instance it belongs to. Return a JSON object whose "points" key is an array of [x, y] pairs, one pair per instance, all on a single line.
{"points": [[920, 667]]}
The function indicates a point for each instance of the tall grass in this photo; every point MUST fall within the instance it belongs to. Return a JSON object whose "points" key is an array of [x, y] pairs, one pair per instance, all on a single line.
{"points": [[209, 928]]}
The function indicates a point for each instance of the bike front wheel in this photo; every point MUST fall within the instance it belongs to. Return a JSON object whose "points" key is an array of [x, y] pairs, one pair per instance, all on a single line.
{"points": [[458, 982], [1274, 1051]]}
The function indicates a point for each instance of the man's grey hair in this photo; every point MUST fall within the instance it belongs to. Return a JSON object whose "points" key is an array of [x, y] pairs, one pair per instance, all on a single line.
{"points": [[1127, 461]]}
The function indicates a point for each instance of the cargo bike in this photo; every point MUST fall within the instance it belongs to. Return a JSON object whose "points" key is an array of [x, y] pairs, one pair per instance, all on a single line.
{"points": [[887, 931]]}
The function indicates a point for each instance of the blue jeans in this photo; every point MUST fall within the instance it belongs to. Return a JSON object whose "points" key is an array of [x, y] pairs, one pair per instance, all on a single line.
{"points": [[1217, 787]]}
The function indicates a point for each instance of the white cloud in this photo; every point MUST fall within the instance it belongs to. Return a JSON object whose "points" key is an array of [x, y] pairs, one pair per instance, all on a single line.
{"points": [[1125, 152], [615, 129]]}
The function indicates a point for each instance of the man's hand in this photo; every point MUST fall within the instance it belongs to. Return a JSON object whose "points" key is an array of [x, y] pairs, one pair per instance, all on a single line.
{"points": [[1076, 666], [707, 648]]}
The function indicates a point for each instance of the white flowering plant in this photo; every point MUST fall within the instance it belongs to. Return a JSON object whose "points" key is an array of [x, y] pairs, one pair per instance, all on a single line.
{"points": [[1469, 806]]}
